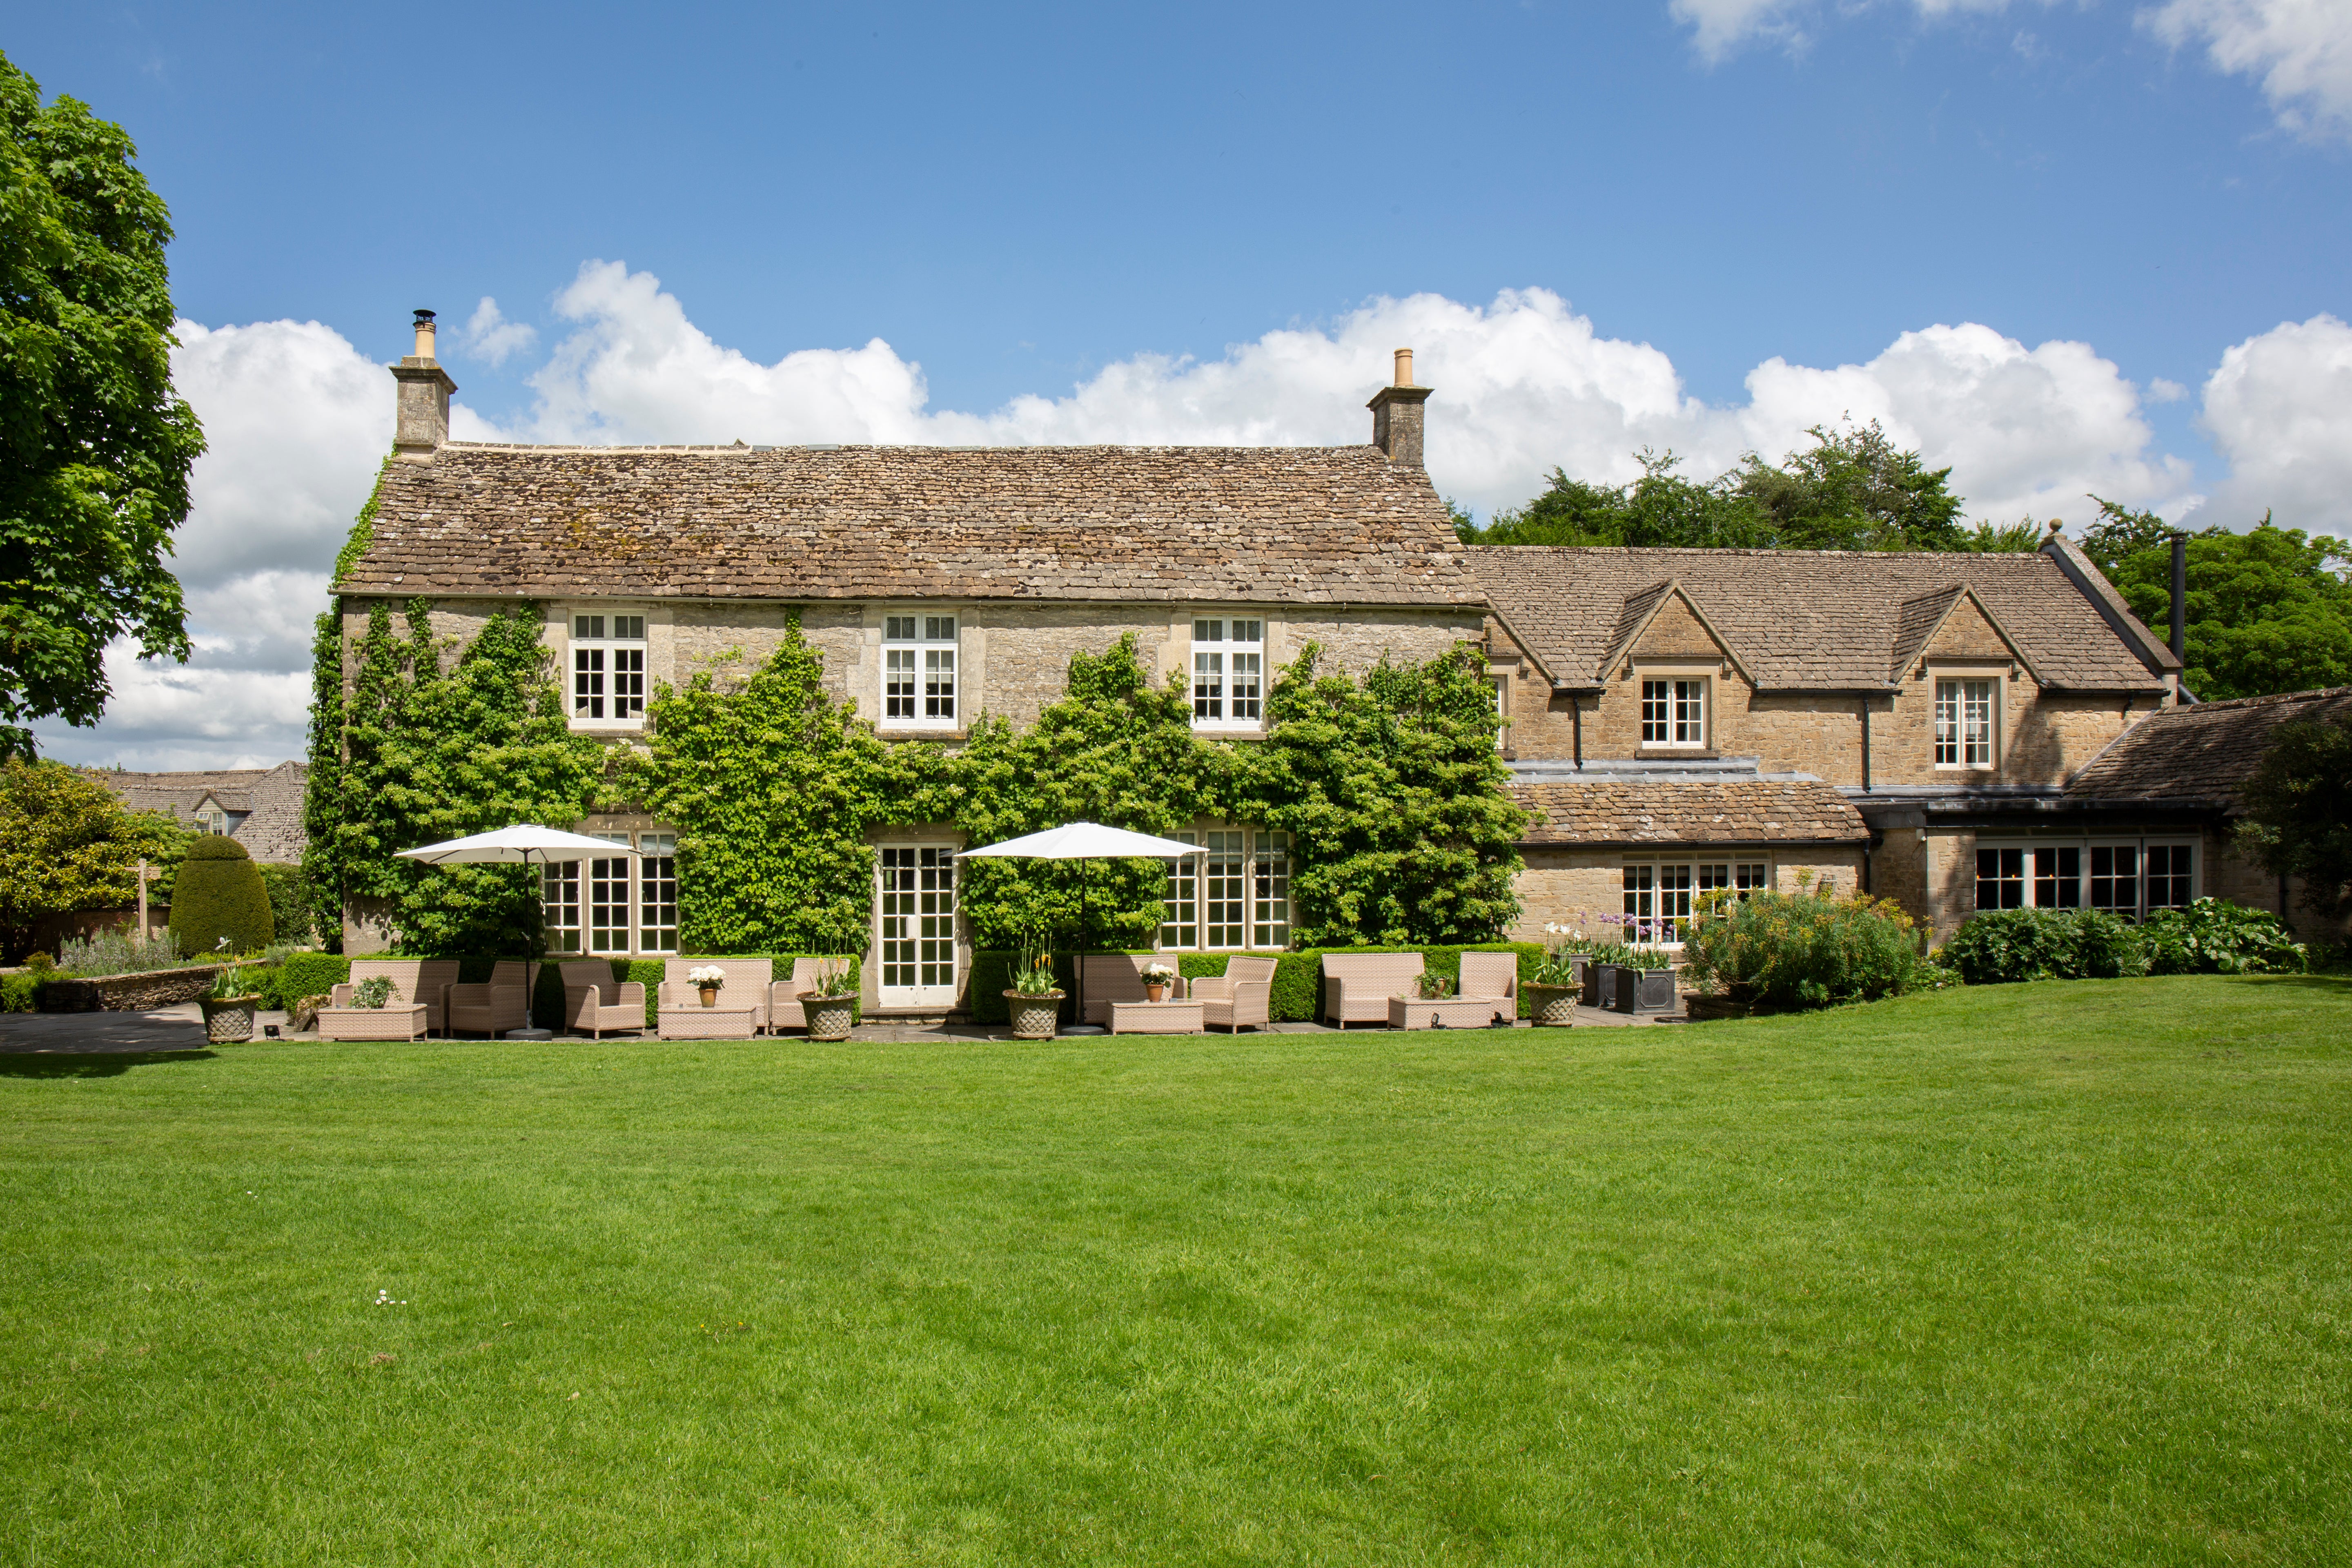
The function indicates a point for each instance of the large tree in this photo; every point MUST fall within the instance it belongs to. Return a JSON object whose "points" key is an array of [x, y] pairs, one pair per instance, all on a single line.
{"points": [[95, 447], [2269, 609], [2296, 823], [68, 845], [1853, 489]]}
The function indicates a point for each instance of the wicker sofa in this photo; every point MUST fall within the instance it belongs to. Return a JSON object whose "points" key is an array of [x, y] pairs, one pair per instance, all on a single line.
{"points": [[1108, 977], [1357, 985], [1492, 977], [1243, 994]]}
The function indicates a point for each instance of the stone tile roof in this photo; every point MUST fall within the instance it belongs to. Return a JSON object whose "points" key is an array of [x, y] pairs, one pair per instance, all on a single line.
{"points": [[271, 798], [2202, 751], [1290, 524], [1802, 619], [1623, 812]]}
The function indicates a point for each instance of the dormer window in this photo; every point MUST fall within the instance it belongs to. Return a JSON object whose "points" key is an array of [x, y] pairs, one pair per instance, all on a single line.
{"points": [[608, 670], [1967, 713], [1673, 711], [918, 672], [1228, 673]]}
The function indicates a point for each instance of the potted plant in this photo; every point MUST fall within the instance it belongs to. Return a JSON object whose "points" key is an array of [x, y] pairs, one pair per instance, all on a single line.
{"points": [[706, 978], [1559, 980], [1157, 979], [1600, 965], [830, 1007], [1643, 981], [228, 1007], [1430, 986], [1033, 1001]]}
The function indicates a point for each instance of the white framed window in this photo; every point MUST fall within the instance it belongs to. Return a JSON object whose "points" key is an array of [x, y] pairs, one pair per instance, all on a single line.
{"points": [[616, 905], [1674, 710], [1228, 672], [918, 672], [2125, 877], [608, 670], [1967, 721], [1233, 896], [658, 892], [560, 898], [1660, 896], [1741, 878], [610, 884]]}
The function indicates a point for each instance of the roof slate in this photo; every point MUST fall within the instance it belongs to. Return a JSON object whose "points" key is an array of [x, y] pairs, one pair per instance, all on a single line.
{"points": [[1801, 619], [1291, 524], [1601, 811], [271, 798], [2201, 751]]}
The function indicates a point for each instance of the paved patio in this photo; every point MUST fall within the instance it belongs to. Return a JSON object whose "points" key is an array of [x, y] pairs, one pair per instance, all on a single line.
{"points": [[181, 1028]]}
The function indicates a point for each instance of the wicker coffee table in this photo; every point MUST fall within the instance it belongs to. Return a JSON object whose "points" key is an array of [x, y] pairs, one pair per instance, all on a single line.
{"points": [[395, 1022], [1455, 1013], [1157, 1018], [696, 1023]]}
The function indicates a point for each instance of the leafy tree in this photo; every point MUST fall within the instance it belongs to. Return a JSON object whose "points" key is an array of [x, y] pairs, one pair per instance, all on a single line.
{"points": [[2269, 610], [771, 786], [95, 447], [1661, 508], [2296, 823], [1853, 489], [67, 844], [1392, 790], [2121, 534]]}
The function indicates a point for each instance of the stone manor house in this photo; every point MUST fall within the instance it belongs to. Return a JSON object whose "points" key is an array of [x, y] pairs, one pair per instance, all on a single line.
{"points": [[1944, 730]]}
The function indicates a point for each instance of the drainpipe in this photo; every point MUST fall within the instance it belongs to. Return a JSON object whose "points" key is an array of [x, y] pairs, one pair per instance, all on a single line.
{"points": [[1576, 726], [1865, 746]]}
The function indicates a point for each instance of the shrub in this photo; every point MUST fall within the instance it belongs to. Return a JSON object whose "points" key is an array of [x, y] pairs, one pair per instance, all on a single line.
{"points": [[1998, 947], [220, 894], [21, 992], [290, 913], [2211, 936], [1802, 949], [112, 953], [308, 974]]}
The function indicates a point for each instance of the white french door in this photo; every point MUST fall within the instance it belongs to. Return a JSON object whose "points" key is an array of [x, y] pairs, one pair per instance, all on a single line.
{"points": [[916, 906]]}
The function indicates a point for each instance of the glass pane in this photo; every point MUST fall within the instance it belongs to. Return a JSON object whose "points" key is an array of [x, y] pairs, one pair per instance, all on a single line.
{"points": [[1225, 891], [1270, 891], [1209, 685], [608, 905], [2115, 879], [2001, 878], [2058, 877], [1180, 904], [2168, 876], [560, 896]]}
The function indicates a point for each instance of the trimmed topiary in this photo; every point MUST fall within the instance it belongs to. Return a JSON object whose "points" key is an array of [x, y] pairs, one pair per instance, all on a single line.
{"points": [[220, 893]]}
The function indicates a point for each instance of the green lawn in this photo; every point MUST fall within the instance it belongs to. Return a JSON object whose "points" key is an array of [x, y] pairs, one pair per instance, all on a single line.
{"points": [[2056, 1274]]}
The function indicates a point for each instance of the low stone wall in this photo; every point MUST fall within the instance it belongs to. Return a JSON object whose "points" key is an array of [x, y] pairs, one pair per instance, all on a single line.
{"points": [[127, 993]]}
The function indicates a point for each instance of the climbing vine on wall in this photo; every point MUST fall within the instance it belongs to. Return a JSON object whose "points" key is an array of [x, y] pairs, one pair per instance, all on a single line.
{"points": [[770, 786], [421, 752]]}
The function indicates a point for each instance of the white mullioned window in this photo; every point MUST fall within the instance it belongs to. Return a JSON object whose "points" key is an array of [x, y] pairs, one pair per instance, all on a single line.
{"points": [[1228, 672], [1661, 896], [919, 672], [616, 905], [1965, 723], [2123, 876], [1673, 711], [1233, 896], [560, 895], [916, 910], [1180, 907], [608, 670], [658, 892], [1270, 890]]}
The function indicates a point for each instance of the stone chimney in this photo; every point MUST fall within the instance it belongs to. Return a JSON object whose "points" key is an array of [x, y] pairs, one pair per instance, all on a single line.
{"points": [[1396, 414], [424, 389]]}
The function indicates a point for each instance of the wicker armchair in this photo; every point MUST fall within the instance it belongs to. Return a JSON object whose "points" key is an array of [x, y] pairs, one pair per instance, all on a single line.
{"points": [[492, 1006], [1357, 985], [594, 1002], [1492, 977], [750, 982], [1243, 994], [1109, 977]]}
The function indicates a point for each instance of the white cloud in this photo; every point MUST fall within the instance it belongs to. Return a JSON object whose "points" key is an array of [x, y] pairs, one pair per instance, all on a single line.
{"points": [[1722, 28], [2280, 408], [2301, 50], [2163, 391], [488, 336]]}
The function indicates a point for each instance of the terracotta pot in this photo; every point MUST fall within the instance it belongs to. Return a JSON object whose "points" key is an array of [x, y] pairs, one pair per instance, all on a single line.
{"points": [[1554, 1005], [228, 1018], [1034, 1017], [828, 1017], [709, 996], [1155, 992]]}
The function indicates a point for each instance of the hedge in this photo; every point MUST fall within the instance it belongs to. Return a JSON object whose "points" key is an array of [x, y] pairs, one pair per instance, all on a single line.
{"points": [[220, 894], [1297, 995]]}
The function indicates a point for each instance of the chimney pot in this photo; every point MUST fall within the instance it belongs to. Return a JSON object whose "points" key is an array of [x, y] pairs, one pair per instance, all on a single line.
{"points": [[1404, 367], [424, 336]]}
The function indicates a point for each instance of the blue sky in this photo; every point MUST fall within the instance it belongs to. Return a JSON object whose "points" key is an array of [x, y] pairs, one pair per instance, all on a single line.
{"points": [[1019, 200]]}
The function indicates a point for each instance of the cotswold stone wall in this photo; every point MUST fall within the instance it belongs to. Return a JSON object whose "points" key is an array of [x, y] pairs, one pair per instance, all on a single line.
{"points": [[127, 993]]}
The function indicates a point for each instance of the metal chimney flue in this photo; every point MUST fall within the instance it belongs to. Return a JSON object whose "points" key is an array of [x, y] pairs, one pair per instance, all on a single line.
{"points": [[2180, 596]]}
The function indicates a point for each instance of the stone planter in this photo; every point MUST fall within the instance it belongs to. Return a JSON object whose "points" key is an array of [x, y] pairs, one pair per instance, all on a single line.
{"points": [[1034, 1017], [1628, 990], [1554, 1005], [828, 1017], [228, 1018], [1590, 981]]}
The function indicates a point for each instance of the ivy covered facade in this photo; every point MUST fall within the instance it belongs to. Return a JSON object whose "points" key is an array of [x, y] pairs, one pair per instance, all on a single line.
{"points": [[789, 685]]}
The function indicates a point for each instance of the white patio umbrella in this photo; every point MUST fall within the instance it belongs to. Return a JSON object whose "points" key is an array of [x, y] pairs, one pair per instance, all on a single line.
{"points": [[525, 844], [1083, 841]]}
